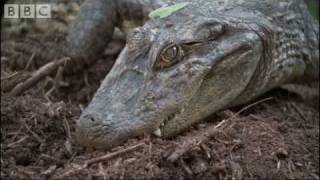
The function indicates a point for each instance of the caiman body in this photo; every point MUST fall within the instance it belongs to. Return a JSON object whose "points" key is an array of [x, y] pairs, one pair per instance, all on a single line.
{"points": [[177, 70]]}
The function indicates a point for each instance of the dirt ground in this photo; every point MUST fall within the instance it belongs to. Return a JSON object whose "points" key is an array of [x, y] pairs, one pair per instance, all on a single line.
{"points": [[277, 138]]}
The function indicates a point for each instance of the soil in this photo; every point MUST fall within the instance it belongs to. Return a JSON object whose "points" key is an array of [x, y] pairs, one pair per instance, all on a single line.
{"points": [[275, 139]]}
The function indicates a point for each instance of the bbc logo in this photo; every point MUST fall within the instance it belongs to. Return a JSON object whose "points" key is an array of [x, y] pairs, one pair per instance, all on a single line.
{"points": [[27, 11]]}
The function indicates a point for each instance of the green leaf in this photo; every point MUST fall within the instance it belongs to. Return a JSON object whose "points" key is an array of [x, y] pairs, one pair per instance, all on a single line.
{"points": [[166, 11]]}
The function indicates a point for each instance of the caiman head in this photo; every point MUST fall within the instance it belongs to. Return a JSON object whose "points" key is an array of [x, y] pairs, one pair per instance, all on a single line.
{"points": [[172, 72]]}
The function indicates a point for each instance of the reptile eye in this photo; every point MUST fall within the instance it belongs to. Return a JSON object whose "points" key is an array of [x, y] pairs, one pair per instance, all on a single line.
{"points": [[170, 55]]}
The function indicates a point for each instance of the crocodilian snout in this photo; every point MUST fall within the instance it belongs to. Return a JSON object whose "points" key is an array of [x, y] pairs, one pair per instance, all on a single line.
{"points": [[100, 132], [114, 114]]}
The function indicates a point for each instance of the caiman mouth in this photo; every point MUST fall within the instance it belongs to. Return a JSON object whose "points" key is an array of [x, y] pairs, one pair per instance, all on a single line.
{"points": [[170, 117]]}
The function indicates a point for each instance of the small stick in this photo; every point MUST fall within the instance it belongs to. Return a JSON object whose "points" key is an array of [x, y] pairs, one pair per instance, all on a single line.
{"points": [[51, 158], [9, 76], [10, 81], [111, 155], [25, 171], [50, 170], [299, 111], [37, 76], [35, 135], [186, 168], [98, 159], [250, 105], [195, 140], [67, 127], [101, 170], [206, 149], [17, 142], [29, 62], [17, 132]]}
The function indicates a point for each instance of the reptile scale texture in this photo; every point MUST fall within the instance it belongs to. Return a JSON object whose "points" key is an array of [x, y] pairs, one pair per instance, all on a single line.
{"points": [[176, 70]]}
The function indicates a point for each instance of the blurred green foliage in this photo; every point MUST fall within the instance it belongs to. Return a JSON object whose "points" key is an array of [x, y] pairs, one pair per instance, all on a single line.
{"points": [[313, 6]]}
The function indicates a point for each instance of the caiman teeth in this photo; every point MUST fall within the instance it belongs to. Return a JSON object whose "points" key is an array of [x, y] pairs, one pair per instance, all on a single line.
{"points": [[171, 116], [162, 124], [157, 132]]}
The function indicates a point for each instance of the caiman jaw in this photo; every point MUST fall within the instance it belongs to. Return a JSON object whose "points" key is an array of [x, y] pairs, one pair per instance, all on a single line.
{"points": [[163, 122]]}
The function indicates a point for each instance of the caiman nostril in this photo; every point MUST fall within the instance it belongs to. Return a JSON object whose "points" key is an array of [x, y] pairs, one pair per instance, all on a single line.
{"points": [[91, 117]]}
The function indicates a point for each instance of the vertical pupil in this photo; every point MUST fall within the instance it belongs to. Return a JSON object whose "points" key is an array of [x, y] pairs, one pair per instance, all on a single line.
{"points": [[171, 52], [169, 56]]}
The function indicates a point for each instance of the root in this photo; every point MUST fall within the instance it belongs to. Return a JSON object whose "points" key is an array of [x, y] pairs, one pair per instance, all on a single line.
{"points": [[37, 76]]}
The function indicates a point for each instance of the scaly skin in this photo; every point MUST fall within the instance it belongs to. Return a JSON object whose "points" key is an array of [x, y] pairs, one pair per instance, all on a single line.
{"points": [[175, 71]]}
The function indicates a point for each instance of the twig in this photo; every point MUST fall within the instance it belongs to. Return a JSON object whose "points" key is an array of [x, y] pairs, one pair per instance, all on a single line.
{"points": [[195, 140], [56, 83], [50, 170], [16, 133], [25, 171], [35, 135], [185, 167], [17, 142], [315, 176], [101, 170], [67, 127], [299, 111], [37, 76], [206, 149], [204, 136], [111, 155], [9, 76], [250, 106], [10, 81], [99, 159], [51, 158], [29, 62]]}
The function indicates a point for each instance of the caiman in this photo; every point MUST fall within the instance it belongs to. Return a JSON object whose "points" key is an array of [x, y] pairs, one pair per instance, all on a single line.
{"points": [[176, 70]]}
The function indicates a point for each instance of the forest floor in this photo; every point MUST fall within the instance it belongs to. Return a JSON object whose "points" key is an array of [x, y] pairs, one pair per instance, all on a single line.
{"points": [[276, 138]]}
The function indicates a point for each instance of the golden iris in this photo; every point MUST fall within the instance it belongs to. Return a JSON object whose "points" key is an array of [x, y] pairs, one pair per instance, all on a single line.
{"points": [[169, 56]]}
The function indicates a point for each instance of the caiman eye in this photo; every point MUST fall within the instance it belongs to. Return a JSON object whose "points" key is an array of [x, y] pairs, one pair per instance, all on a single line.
{"points": [[169, 56]]}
